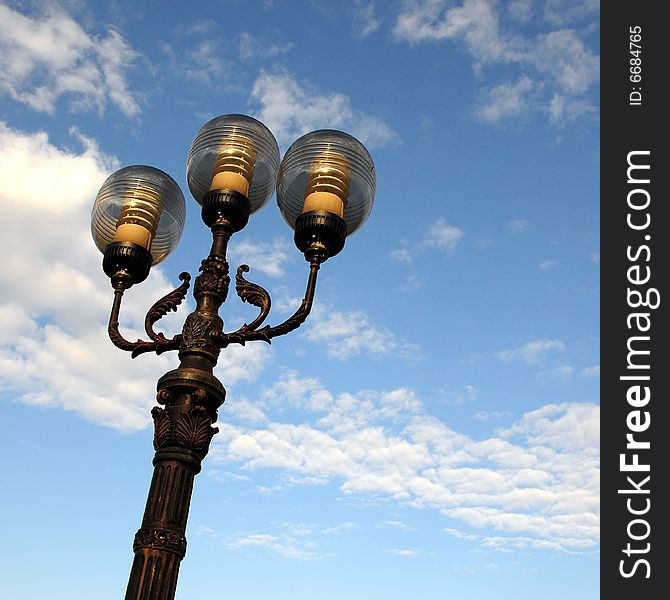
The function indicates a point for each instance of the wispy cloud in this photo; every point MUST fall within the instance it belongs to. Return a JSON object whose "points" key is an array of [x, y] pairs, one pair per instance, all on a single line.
{"points": [[403, 552], [506, 100], [348, 334], [460, 534], [291, 109], [547, 264], [563, 372], [266, 257], [591, 371], [365, 19], [555, 71], [337, 529], [491, 415], [565, 12], [519, 225], [44, 59], [459, 397], [440, 235], [537, 478], [284, 545], [397, 525], [251, 48], [532, 353]]}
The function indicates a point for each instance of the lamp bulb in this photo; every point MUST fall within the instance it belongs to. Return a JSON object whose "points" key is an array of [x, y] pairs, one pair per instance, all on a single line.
{"points": [[139, 217], [328, 184], [235, 163]]}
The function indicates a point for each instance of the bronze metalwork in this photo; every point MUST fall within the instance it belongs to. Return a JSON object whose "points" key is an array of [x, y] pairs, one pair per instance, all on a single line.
{"points": [[191, 395]]}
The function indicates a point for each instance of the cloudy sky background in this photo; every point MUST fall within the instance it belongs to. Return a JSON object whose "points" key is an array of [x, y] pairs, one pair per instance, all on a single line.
{"points": [[433, 429]]}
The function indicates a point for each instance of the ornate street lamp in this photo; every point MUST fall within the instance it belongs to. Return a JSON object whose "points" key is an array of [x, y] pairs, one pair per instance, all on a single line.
{"points": [[325, 190]]}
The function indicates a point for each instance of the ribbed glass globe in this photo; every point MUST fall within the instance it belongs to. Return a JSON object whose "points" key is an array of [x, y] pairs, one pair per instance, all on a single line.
{"points": [[229, 147], [139, 204], [327, 164]]}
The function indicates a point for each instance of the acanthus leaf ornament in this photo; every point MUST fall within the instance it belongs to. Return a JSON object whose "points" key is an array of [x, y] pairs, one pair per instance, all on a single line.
{"points": [[193, 430], [190, 429], [162, 426], [169, 302], [213, 278]]}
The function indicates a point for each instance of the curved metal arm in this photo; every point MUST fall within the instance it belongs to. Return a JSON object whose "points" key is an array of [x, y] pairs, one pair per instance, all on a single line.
{"points": [[113, 328], [246, 333], [166, 304]]}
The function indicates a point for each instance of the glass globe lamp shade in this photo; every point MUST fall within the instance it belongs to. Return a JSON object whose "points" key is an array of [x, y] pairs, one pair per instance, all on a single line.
{"points": [[330, 171], [139, 205], [235, 153]]}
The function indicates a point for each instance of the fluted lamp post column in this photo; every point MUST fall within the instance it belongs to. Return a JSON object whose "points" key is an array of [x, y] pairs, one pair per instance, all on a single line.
{"points": [[325, 190]]}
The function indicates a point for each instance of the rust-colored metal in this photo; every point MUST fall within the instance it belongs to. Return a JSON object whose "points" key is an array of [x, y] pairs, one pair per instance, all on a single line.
{"points": [[190, 397]]}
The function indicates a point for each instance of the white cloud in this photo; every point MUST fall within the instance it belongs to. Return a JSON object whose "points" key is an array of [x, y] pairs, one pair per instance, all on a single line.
{"points": [[563, 372], [440, 235], [568, 426], [563, 12], [366, 21], [547, 264], [45, 58], [291, 390], [403, 552], [266, 257], [555, 70], [297, 541], [403, 254], [520, 10], [591, 371], [491, 415], [246, 411], [204, 63], [397, 525], [241, 363], [506, 100], [285, 545], [563, 56], [443, 236], [253, 49], [519, 225], [348, 334], [55, 350], [532, 353], [290, 110], [460, 534], [466, 395], [337, 529], [537, 479]]}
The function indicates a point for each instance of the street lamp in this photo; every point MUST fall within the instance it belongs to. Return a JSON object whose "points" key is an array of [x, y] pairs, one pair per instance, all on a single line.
{"points": [[325, 190]]}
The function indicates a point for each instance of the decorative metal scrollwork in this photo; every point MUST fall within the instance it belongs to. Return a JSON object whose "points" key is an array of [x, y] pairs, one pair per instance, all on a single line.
{"points": [[203, 328], [191, 429], [166, 304], [160, 343]]}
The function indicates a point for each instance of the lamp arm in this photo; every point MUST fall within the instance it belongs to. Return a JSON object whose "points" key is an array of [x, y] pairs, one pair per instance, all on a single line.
{"points": [[166, 304], [246, 333]]}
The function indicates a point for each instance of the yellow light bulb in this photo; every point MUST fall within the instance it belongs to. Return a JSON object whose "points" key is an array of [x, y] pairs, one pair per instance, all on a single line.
{"points": [[234, 166], [139, 217], [328, 184]]}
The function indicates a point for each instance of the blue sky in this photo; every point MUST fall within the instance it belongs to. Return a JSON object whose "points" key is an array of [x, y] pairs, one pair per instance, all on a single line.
{"points": [[433, 429]]}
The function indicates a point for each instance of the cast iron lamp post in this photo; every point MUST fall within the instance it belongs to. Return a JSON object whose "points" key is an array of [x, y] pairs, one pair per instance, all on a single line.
{"points": [[325, 190]]}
